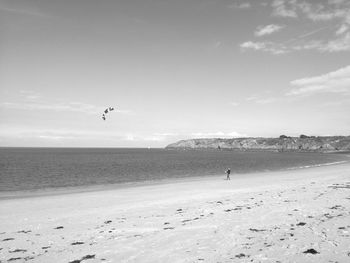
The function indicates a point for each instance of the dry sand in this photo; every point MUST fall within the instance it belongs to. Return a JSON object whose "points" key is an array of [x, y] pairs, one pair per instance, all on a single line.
{"points": [[288, 216]]}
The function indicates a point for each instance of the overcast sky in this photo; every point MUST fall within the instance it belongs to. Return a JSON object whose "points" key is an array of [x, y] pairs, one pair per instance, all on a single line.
{"points": [[173, 69]]}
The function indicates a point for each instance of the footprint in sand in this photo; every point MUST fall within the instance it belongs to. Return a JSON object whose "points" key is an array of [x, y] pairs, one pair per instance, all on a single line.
{"points": [[24, 231], [83, 258], [311, 251], [8, 239], [241, 255], [257, 230], [77, 243], [17, 250], [13, 259], [337, 207]]}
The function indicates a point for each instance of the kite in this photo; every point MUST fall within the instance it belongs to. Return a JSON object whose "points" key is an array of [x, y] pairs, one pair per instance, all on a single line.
{"points": [[106, 111]]}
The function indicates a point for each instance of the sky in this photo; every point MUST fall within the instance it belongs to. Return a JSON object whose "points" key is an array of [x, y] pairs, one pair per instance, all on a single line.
{"points": [[172, 70]]}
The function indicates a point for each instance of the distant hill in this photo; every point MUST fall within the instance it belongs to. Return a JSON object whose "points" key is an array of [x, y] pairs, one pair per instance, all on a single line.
{"points": [[283, 143]]}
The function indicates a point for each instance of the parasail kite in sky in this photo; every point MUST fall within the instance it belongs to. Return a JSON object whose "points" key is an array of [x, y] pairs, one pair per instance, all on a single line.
{"points": [[106, 111]]}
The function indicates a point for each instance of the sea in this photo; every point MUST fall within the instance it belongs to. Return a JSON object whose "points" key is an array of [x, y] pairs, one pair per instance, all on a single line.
{"points": [[44, 169]]}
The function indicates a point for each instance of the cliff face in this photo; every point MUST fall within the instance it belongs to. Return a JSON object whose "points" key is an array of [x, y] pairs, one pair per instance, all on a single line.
{"points": [[310, 144]]}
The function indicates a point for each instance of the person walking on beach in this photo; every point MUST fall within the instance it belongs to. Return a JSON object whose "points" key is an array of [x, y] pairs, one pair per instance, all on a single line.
{"points": [[228, 172]]}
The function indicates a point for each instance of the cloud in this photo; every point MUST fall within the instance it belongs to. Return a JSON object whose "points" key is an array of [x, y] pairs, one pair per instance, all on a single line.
{"points": [[267, 30], [30, 95], [253, 45], [257, 99], [269, 47], [56, 138], [336, 2], [341, 43], [165, 134], [313, 10], [265, 100], [342, 29], [335, 39], [244, 5], [217, 134], [30, 100], [24, 12], [130, 137], [155, 137], [337, 82], [65, 106], [51, 134], [284, 8], [320, 12]]}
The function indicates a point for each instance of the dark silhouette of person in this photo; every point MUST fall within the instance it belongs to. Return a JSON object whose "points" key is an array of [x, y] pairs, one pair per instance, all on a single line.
{"points": [[228, 172]]}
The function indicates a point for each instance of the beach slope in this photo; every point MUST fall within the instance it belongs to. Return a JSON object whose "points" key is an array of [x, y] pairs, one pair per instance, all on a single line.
{"points": [[298, 215]]}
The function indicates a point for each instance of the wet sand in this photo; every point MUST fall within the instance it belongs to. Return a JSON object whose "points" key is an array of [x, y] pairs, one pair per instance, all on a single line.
{"points": [[287, 216]]}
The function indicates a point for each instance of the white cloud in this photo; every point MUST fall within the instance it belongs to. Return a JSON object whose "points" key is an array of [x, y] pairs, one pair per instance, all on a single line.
{"points": [[56, 138], [253, 45], [335, 35], [155, 137], [336, 2], [244, 5], [337, 81], [265, 100], [33, 103], [269, 47], [24, 12], [30, 95], [51, 134], [342, 29], [339, 44], [284, 8], [165, 134], [68, 106], [217, 134], [267, 30], [260, 100], [129, 137], [319, 12], [342, 43], [251, 98], [313, 10]]}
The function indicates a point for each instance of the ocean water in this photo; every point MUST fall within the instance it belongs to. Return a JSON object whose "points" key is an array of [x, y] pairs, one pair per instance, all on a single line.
{"points": [[28, 169]]}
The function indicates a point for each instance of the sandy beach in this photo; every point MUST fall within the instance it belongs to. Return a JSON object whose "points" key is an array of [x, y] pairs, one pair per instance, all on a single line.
{"points": [[298, 215]]}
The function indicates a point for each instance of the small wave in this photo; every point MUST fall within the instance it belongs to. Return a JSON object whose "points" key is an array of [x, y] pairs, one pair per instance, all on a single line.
{"points": [[316, 165]]}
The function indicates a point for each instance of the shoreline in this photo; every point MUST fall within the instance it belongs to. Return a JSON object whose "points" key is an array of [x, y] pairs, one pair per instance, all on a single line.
{"points": [[276, 217], [6, 195]]}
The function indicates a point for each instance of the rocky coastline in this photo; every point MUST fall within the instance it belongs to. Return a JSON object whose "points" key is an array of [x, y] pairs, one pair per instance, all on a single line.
{"points": [[302, 143]]}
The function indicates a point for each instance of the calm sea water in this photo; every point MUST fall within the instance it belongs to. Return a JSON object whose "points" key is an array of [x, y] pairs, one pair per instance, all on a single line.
{"points": [[46, 168]]}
